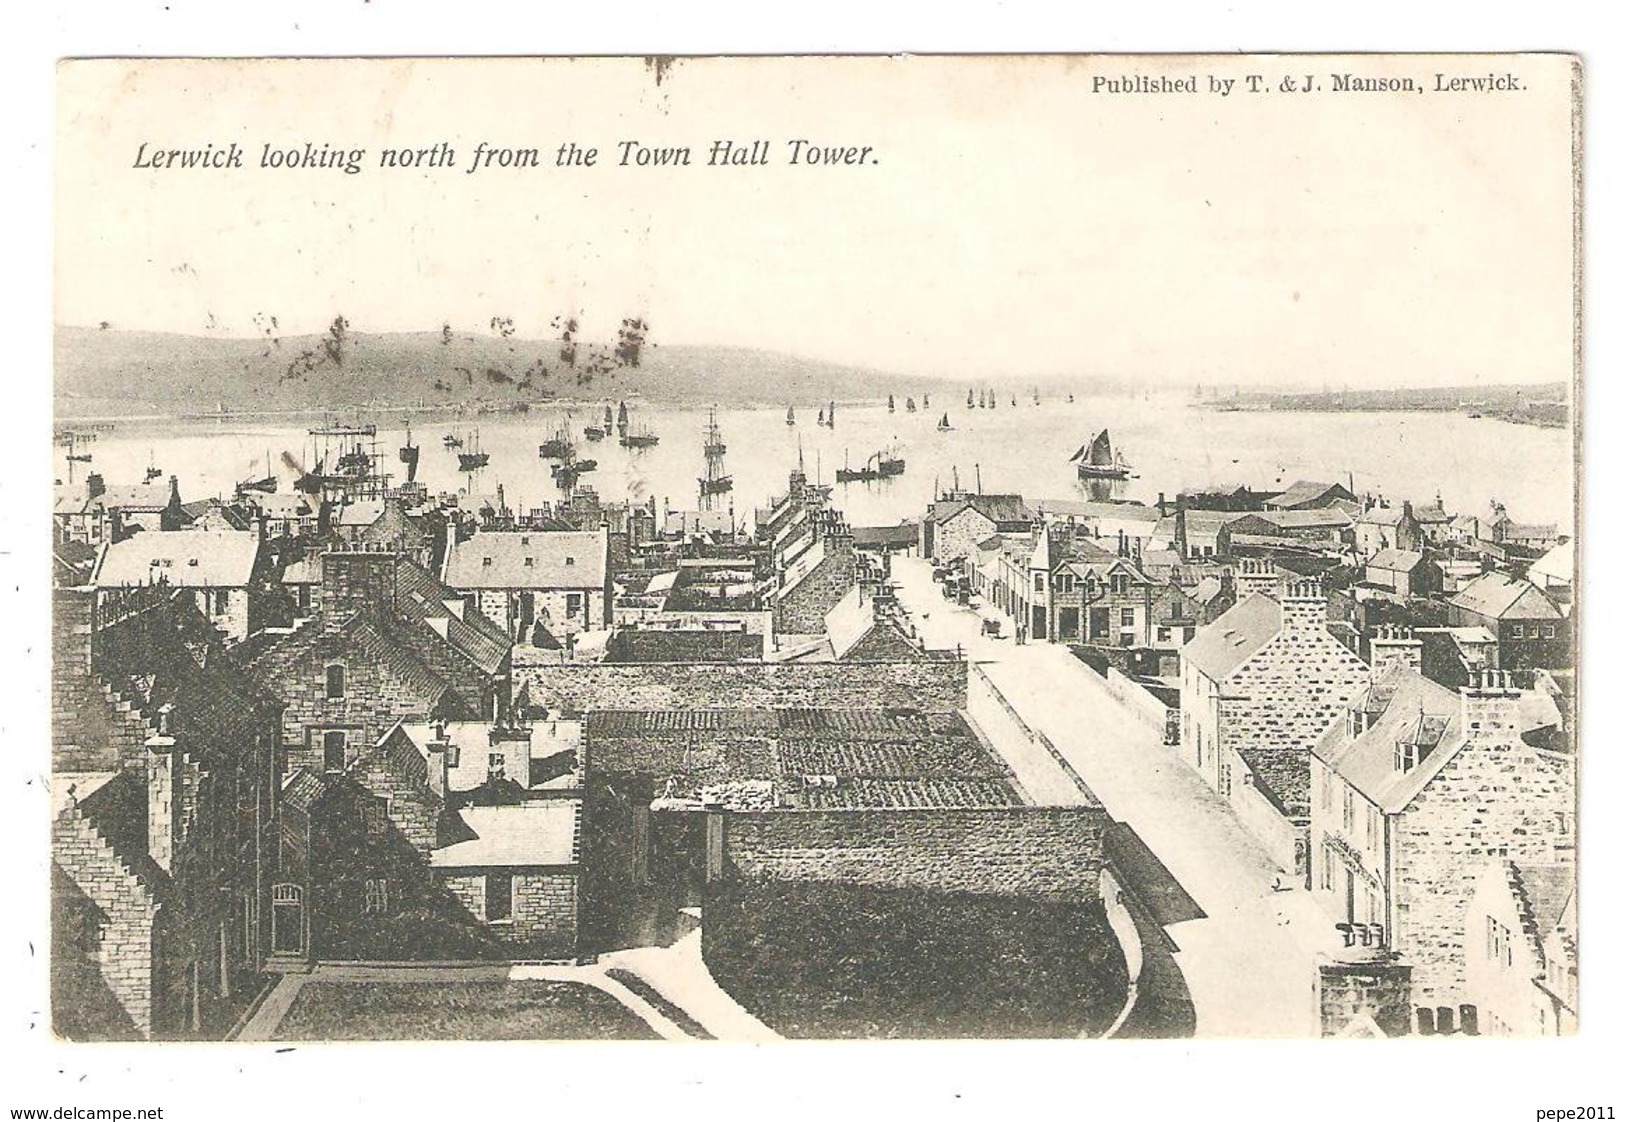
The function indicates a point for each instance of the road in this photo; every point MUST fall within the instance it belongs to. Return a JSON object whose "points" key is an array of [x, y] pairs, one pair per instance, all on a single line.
{"points": [[1249, 955]]}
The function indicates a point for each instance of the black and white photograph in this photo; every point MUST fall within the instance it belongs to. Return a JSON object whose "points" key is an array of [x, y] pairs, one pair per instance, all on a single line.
{"points": [[1022, 547]]}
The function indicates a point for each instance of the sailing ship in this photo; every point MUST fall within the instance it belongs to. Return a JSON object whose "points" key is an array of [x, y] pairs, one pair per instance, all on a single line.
{"points": [[790, 416], [832, 414], [452, 440], [621, 421], [76, 457], [715, 481], [594, 433], [1096, 460], [821, 421], [639, 439], [153, 471], [993, 400], [474, 457], [943, 425], [881, 465], [559, 446], [891, 404], [908, 406], [265, 484], [565, 474], [970, 399]]}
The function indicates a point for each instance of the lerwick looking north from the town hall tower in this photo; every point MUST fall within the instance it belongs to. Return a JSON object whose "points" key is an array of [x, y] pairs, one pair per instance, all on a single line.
{"points": [[924, 596]]}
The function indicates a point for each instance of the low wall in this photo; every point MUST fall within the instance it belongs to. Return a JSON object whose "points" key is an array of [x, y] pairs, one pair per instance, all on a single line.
{"points": [[1052, 853], [1046, 777], [931, 684], [1145, 706], [1285, 841]]}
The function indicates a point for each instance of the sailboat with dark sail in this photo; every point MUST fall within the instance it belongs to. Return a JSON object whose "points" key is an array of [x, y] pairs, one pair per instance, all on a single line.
{"points": [[621, 420], [891, 404], [943, 425], [1096, 460], [909, 406], [790, 416]]}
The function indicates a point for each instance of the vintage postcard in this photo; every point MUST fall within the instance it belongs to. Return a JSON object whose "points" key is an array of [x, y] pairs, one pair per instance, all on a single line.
{"points": [[815, 547]]}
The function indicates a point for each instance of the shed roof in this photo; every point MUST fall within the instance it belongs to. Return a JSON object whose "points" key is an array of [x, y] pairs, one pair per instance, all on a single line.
{"points": [[1500, 596], [533, 832]]}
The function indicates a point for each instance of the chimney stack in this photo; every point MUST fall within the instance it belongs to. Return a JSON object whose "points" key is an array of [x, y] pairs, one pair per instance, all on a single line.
{"points": [[439, 761], [1395, 646], [1489, 704], [1303, 607]]}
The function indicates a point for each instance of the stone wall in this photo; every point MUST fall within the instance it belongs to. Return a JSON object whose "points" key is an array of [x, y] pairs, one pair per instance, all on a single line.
{"points": [[545, 909], [930, 684], [1034, 852], [1289, 693], [124, 946], [1498, 797], [1378, 990]]}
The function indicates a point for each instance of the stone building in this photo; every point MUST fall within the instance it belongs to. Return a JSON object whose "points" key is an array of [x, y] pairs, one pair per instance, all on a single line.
{"points": [[1530, 630], [220, 571], [1308, 495], [1522, 943], [163, 845], [522, 579], [1413, 788], [386, 643], [1258, 687], [814, 578], [1387, 527], [954, 526]]}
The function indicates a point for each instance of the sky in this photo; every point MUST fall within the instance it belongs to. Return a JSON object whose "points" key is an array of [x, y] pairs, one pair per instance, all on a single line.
{"points": [[1008, 221]]}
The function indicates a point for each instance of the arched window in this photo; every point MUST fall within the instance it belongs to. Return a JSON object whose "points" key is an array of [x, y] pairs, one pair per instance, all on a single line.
{"points": [[335, 680]]}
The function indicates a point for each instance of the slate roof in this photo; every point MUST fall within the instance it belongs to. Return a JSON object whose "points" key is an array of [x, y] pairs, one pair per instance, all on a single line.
{"points": [[1398, 560], [362, 512], [556, 559], [1241, 632], [1499, 596], [284, 504], [1543, 893], [1076, 508], [302, 790], [871, 537], [135, 496], [998, 509], [1321, 517], [1301, 492], [183, 558]]}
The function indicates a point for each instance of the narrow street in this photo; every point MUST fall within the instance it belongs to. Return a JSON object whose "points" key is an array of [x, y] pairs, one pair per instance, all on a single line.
{"points": [[1248, 959]]}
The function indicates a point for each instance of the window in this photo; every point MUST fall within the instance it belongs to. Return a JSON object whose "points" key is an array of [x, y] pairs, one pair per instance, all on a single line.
{"points": [[1373, 830], [498, 897], [1348, 810], [1326, 867], [1165, 635], [1038, 582], [530, 562], [485, 562], [496, 765], [569, 560], [524, 540], [572, 605], [1224, 780], [1119, 582], [333, 750], [1128, 617], [376, 901], [1517, 631], [335, 680], [1550, 631], [222, 601]]}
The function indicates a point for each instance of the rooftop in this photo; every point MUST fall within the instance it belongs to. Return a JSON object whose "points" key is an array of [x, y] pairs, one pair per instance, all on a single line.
{"points": [[1241, 632], [182, 558], [1500, 596], [542, 832], [528, 559]]}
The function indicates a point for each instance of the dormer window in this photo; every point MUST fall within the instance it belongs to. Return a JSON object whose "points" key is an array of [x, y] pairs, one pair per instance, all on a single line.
{"points": [[1406, 756]]}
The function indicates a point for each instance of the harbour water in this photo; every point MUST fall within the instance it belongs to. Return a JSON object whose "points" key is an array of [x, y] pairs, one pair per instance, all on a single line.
{"points": [[1170, 442]]}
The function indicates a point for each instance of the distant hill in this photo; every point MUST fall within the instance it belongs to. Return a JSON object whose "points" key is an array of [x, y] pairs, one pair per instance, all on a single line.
{"points": [[128, 373]]}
